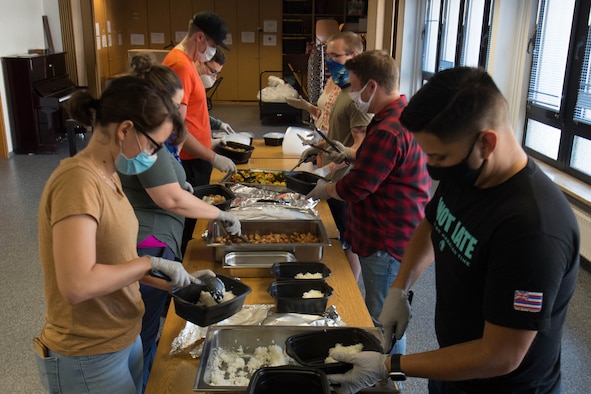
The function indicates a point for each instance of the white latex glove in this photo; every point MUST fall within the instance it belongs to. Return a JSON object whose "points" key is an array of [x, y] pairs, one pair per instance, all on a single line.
{"points": [[395, 315], [322, 171], [339, 157], [223, 163], [299, 103], [218, 141], [319, 191], [198, 275], [188, 187], [309, 155], [230, 222], [174, 270], [227, 128], [368, 369]]}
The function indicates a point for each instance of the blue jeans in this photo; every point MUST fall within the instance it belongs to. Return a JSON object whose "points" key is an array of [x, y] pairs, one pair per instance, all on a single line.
{"points": [[379, 271], [110, 373], [155, 301]]}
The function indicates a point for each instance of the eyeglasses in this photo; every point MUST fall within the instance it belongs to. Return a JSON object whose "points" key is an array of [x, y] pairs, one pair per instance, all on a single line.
{"points": [[212, 71], [336, 55], [157, 145]]}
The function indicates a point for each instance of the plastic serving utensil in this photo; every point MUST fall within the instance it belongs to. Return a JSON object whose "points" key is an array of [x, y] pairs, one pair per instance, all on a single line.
{"points": [[213, 285]]}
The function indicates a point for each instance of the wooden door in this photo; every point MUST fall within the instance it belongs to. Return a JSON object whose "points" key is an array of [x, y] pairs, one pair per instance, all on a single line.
{"points": [[247, 48], [181, 12], [118, 60], [100, 35], [270, 18], [159, 31], [228, 89], [3, 141]]}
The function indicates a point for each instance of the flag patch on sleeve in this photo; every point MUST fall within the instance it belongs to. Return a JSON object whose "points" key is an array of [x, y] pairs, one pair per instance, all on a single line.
{"points": [[528, 301]]}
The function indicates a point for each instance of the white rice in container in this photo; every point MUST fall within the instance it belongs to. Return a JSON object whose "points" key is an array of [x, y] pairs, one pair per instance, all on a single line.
{"points": [[339, 348], [235, 368], [309, 275], [313, 294], [206, 300]]}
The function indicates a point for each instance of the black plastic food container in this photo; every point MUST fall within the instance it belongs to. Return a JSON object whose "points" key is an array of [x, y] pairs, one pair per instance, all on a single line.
{"points": [[310, 350], [288, 295], [301, 181], [185, 300], [229, 150], [288, 379], [289, 270], [273, 138], [206, 190]]}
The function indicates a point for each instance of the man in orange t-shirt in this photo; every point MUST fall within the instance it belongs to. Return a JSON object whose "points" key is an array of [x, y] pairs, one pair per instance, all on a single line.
{"points": [[206, 31]]}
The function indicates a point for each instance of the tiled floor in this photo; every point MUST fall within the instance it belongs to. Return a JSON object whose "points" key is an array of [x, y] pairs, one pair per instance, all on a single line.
{"points": [[21, 181]]}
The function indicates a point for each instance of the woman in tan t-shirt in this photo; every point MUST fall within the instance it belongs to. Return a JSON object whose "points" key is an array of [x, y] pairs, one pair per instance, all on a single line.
{"points": [[87, 244]]}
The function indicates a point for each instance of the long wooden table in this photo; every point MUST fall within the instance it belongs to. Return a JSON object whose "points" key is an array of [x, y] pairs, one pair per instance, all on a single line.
{"points": [[176, 373]]}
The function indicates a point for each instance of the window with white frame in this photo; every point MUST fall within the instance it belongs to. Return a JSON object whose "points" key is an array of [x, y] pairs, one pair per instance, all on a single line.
{"points": [[456, 33], [558, 115]]}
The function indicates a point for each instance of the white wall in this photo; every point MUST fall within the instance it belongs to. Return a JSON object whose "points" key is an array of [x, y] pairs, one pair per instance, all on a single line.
{"points": [[21, 29]]}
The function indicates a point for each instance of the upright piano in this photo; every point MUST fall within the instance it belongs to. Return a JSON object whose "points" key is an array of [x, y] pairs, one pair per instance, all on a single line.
{"points": [[37, 88]]}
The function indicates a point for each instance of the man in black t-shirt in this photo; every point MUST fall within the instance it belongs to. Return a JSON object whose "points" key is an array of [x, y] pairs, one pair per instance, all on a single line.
{"points": [[505, 244]]}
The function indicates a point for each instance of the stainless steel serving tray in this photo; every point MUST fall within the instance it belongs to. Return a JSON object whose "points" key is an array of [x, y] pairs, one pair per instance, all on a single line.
{"points": [[227, 179], [254, 264], [302, 251], [249, 337]]}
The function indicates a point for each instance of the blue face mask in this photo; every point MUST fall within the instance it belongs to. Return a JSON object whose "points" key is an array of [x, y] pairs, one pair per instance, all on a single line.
{"points": [[136, 165], [338, 73]]}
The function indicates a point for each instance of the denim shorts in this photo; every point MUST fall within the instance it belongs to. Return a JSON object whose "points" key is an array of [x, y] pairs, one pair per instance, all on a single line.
{"points": [[117, 372]]}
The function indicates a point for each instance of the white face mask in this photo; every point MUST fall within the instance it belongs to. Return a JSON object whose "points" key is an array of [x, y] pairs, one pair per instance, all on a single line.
{"points": [[207, 55], [208, 80], [361, 105]]}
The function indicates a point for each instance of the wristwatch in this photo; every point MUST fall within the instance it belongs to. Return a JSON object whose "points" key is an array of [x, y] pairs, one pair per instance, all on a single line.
{"points": [[395, 371]]}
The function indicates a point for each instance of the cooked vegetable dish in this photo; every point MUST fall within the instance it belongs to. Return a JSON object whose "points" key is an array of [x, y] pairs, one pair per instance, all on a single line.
{"points": [[259, 177]]}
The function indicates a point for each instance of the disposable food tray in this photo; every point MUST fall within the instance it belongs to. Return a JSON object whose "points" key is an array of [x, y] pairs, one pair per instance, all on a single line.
{"points": [[288, 379], [311, 349], [185, 300], [206, 190], [288, 295], [288, 271], [238, 153], [301, 181]]}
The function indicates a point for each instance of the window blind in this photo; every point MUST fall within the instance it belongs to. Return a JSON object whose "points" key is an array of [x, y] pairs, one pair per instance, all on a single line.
{"points": [[550, 53]]}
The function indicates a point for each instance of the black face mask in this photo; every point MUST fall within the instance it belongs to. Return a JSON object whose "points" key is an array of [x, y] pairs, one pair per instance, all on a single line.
{"points": [[460, 173]]}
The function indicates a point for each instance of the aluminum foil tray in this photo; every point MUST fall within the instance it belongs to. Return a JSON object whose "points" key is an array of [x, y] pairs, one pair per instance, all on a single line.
{"points": [[254, 264], [302, 251]]}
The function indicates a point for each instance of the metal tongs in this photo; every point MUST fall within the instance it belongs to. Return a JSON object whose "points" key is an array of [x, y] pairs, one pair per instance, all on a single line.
{"points": [[308, 158], [328, 140]]}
